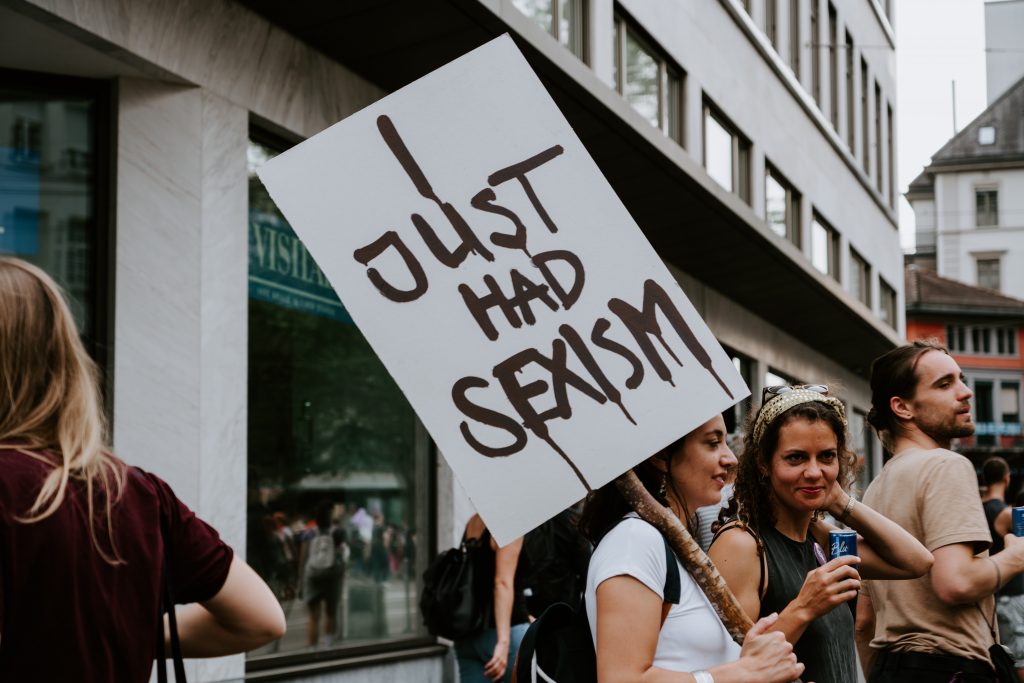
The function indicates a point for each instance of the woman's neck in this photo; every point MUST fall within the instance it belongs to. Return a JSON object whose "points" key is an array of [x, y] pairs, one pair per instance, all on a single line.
{"points": [[792, 524]]}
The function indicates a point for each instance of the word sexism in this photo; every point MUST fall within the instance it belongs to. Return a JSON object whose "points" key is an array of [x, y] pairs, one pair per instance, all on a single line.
{"points": [[516, 308]]}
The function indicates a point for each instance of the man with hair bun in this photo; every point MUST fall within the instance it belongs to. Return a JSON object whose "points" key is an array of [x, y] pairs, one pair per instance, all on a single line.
{"points": [[936, 628]]}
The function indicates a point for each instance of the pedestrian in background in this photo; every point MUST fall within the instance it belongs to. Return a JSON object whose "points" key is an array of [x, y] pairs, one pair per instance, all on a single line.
{"points": [[490, 654], [940, 626], [995, 475], [82, 549], [795, 463]]}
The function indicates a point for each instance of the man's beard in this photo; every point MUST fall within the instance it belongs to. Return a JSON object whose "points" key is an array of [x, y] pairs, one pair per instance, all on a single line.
{"points": [[945, 430]]}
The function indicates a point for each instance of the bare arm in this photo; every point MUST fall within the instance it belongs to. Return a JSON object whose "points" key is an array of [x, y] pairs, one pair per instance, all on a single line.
{"points": [[735, 556], [628, 625], [886, 550], [1003, 521], [505, 561], [243, 615], [864, 632], [961, 577]]}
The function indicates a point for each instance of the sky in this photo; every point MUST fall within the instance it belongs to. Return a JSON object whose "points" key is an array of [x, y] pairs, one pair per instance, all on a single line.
{"points": [[938, 42]]}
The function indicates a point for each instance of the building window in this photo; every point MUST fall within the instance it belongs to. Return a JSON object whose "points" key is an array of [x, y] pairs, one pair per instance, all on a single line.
{"points": [[1006, 341], [332, 437], [563, 19], [824, 247], [987, 135], [1009, 402], [984, 413], [986, 208], [878, 136], [988, 273], [815, 53], [833, 65], [771, 22], [794, 37], [649, 82], [981, 340], [887, 303], [890, 131], [781, 206], [736, 416], [726, 153], [956, 338], [52, 169], [851, 126], [860, 278], [865, 119]]}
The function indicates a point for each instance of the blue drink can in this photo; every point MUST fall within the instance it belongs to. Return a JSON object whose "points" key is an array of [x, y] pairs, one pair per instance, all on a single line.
{"points": [[1018, 521], [843, 542]]}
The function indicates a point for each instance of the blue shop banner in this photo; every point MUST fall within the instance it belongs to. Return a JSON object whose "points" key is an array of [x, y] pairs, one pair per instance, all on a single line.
{"points": [[283, 273], [19, 202]]}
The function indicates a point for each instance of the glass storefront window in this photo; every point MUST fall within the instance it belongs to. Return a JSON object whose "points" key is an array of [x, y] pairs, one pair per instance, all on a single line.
{"points": [[48, 177], [334, 452]]}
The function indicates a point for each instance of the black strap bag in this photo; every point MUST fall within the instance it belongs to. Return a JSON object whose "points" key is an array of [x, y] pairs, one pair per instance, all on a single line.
{"points": [[457, 590]]}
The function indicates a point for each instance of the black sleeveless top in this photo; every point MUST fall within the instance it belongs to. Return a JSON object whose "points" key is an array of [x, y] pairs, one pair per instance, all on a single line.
{"points": [[520, 615], [826, 647]]}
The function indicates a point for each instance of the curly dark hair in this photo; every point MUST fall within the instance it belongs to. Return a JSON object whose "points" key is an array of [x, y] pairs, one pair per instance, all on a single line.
{"points": [[605, 506], [753, 499]]}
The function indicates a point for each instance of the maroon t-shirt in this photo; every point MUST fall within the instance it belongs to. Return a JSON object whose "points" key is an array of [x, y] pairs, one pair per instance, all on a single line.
{"points": [[68, 615]]}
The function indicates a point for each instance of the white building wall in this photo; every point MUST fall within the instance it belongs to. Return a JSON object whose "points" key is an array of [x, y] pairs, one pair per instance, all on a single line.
{"points": [[1004, 56], [961, 243]]}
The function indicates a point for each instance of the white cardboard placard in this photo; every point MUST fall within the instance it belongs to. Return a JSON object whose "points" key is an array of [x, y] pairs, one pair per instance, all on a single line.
{"points": [[505, 287]]}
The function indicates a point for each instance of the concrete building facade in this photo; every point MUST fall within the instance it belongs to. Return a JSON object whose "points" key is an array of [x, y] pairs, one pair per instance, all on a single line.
{"points": [[1004, 51], [753, 142]]}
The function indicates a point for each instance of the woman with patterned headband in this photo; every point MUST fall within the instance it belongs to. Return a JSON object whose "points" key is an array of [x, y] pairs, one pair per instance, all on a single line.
{"points": [[796, 465]]}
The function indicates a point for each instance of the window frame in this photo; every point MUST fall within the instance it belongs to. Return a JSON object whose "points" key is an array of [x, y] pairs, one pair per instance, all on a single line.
{"points": [[741, 149], [991, 211], [424, 499], [859, 264], [851, 105], [582, 22], [878, 136], [793, 219], [671, 76], [98, 338], [887, 304], [833, 65], [865, 117], [794, 37], [831, 246], [989, 262]]}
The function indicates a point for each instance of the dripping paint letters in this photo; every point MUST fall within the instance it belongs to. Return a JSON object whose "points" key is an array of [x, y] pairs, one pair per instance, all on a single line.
{"points": [[509, 293]]}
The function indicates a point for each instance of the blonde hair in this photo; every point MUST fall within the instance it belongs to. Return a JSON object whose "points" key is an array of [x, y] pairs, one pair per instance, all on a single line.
{"points": [[50, 399]]}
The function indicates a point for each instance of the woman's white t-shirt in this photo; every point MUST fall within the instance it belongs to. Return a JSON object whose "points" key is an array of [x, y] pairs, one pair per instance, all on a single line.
{"points": [[693, 636]]}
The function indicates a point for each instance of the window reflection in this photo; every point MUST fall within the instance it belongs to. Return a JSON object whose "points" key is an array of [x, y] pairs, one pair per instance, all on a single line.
{"points": [[336, 512], [640, 87], [47, 183], [718, 155]]}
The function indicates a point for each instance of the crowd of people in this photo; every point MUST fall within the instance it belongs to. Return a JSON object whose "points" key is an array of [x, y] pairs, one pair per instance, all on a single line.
{"points": [[934, 593], [917, 602]]}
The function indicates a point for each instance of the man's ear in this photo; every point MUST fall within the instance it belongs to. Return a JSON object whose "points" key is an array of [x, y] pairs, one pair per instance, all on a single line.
{"points": [[900, 408]]}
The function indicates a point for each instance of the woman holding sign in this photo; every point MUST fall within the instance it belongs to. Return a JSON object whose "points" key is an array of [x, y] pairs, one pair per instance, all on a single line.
{"points": [[796, 464], [649, 618]]}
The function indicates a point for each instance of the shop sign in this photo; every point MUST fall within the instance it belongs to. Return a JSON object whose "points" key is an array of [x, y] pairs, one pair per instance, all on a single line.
{"points": [[508, 291]]}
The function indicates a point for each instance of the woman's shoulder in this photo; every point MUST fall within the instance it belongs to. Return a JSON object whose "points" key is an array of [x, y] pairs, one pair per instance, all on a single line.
{"points": [[736, 539]]}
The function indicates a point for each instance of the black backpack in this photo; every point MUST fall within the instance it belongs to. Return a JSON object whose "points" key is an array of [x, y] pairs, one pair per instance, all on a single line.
{"points": [[557, 647], [457, 590], [556, 555]]}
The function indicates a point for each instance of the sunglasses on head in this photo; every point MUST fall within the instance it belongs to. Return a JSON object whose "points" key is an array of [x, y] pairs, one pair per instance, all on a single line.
{"points": [[778, 390]]}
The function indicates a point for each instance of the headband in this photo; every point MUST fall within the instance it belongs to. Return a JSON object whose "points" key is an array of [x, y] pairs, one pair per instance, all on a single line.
{"points": [[780, 403]]}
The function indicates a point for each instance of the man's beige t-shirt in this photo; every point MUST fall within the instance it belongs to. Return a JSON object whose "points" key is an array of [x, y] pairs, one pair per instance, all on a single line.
{"points": [[933, 494]]}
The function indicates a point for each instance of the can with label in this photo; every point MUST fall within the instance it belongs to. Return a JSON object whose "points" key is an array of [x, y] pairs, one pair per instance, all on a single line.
{"points": [[1018, 521], [842, 542]]}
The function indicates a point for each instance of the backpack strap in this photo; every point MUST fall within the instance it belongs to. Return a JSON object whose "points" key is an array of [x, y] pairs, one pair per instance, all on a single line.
{"points": [[762, 584]]}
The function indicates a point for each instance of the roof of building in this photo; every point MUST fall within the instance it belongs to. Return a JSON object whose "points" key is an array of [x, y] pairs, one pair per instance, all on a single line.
{"points": [[1005, 116], [929, 292]]}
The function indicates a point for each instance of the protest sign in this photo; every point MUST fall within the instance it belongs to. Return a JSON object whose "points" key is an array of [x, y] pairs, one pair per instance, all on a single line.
{"points": [[505, 287]]}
